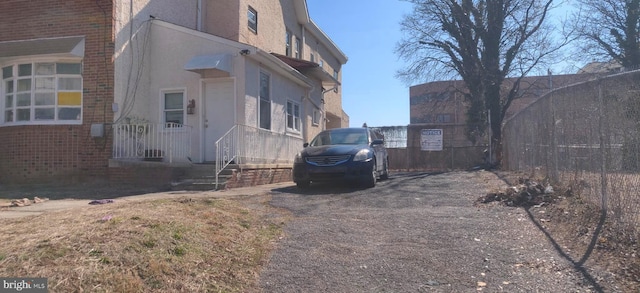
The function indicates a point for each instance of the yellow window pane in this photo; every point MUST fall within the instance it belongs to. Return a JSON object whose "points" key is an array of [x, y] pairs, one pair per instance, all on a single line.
{"points": [[70, 99]]}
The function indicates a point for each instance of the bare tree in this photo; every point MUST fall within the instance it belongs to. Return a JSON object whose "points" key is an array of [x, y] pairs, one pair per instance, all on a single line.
{"points": [[482, 42], [609, 30]]}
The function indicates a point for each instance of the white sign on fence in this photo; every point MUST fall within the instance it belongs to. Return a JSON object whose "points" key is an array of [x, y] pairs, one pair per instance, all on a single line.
{"points": [[431, 139]]}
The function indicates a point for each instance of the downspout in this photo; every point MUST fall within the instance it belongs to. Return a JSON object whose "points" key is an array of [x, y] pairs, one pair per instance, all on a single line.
{"points": [[199, 16]]}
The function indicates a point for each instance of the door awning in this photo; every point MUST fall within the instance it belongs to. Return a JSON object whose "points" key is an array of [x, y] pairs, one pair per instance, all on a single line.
{"points": [[220, 62], [65, 47]]}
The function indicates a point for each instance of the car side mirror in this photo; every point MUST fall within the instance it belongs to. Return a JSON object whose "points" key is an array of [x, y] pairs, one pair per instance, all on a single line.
{"points": [[306, 144], [377, 142]]}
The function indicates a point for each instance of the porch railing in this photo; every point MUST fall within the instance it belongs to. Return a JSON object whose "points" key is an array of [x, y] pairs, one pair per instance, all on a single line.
{"points": [[245, 144], [167, 142]]}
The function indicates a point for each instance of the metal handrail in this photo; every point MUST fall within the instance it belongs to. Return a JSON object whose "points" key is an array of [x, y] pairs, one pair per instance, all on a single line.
{"points": [[246, 144], [168, 142]]}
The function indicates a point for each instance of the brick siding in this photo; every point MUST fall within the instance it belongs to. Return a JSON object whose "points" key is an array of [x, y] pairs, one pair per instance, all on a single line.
{"points": [[258, 176], [46, 152]]}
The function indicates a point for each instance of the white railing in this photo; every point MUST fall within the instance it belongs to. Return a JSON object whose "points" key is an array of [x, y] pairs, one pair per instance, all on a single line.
{"points": [[167, 142], [245, 144]]}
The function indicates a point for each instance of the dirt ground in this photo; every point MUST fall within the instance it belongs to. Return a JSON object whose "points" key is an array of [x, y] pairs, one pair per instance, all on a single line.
{"points": [[584, 238], [428, 233], [568, 223]]}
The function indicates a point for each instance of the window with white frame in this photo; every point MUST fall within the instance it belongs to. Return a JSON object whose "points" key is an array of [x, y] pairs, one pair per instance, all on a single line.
{"points": [[252, 16], [265, 101], [288, 44], [173, 108], [293, 116], [298, 48], [316, 117], [42, 93]]}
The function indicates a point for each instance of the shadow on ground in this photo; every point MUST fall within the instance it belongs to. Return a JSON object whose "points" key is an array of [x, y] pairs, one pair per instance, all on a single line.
{"points": [[74, 191]]}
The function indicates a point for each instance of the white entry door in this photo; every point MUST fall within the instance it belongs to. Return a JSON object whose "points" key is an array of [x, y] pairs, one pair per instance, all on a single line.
{"points": [[219, 114]]}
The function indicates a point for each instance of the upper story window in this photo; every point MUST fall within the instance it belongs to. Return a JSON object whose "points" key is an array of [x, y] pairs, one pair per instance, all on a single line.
{"points": [[443, 118], [252, 15], [298, 48], [335, 74], [312, 57], [42, 93], [287, 51], [293, 116]]}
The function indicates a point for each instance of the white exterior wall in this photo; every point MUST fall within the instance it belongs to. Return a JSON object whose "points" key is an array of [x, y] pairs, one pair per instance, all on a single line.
{"points": [[171, 49], [282, 90], [132, 23]]}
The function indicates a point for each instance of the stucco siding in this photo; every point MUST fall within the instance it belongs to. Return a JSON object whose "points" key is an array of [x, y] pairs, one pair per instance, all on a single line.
{"points": [[222, 18], [132, 22], [172, 50]]}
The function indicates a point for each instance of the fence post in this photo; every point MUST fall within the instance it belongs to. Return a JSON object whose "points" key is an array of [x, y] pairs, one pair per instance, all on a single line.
{"points": [[554, 140], [603, 157]]}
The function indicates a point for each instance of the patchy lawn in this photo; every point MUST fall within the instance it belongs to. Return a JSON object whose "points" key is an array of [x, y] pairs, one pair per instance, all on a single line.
{"points": [[167, 245]]}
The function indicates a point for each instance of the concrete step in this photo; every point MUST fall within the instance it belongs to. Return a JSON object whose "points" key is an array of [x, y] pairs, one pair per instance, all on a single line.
{"points": [[202, 177]]}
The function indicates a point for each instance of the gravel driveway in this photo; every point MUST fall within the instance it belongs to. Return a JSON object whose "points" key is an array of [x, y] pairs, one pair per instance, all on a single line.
{"points": [[413, 233]]}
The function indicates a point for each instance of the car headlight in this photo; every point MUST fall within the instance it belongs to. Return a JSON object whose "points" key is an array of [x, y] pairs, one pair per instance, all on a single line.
{"points": [[298, 158], [362, 155]]}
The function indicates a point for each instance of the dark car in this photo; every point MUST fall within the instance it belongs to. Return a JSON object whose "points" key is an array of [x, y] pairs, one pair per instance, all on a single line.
{"points": [[353, 154]]}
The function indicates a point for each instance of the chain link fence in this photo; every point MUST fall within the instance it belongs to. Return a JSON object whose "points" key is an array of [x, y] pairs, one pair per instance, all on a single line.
{"points": [[586, 136], [403, 145]]}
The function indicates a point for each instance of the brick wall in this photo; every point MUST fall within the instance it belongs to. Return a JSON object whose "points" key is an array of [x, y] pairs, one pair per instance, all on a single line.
{"points": [[50, 153], [245, 177]]}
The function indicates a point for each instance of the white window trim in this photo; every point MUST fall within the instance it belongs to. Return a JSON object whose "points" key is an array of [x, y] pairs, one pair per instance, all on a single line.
{"points": [[299, 118], [38, 59], [260, 100], [163, 119], [255, 13], [313, 117]]}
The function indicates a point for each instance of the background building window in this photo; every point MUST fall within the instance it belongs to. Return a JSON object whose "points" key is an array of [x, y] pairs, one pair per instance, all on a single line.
{"points": [[443, 118], [252, 15], [173, 109], [265, 101], [293, 116], [42, 93]]}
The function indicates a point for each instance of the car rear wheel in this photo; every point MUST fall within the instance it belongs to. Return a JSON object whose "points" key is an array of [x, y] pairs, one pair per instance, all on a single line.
{"points": [[303, 184], [385, 170]]}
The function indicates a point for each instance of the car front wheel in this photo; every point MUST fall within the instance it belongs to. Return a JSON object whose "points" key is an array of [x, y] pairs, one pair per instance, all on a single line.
{"points": [[303, 184], [371, 180]]}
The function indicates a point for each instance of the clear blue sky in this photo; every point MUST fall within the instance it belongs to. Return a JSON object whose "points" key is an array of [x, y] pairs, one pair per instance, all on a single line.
{"points": [[367, 32]]}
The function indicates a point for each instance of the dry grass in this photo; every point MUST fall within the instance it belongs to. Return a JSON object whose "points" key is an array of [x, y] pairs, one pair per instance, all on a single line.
{"points": [[170, 245]]}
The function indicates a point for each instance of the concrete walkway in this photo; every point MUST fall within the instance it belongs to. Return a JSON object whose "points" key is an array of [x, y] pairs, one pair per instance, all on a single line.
{"points": [[64, 204]]}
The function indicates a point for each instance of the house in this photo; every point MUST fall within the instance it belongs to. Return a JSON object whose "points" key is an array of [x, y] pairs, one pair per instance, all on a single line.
{"points": [[97, 90]]}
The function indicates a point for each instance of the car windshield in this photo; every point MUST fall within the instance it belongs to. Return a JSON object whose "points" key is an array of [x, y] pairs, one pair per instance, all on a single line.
{"points": [[355, 136]]}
